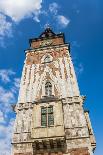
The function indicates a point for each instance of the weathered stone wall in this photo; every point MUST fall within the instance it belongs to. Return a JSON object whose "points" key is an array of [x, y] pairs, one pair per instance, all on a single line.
{"points": [[22, 149], [79, 151], [76, 128], [69, 121], [59, 71]]}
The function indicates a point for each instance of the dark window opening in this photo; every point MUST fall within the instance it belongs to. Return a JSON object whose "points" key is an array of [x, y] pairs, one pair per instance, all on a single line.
{"points": [[50, 116], [43, 116], [47, 59], [48, 89]]}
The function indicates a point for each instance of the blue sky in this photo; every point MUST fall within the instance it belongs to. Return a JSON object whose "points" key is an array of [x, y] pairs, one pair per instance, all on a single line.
{"points": [[82, 22]]}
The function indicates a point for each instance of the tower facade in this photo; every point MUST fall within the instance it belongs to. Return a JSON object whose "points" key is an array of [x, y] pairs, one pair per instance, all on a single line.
{"points": [[50, 118]]}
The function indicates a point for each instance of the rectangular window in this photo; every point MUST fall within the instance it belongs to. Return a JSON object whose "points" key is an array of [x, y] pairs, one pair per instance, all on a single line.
{"points": [[50, 116], [47, 117], [43, 116]]}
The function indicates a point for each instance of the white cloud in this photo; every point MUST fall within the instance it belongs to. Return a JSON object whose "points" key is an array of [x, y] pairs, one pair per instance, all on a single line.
{"points": [[53, 8], [62, 21], [17, 10], [5, 75], [7, 96], [20, 9], [5, 138], [9, 89], [5, 26], [1, 117], [53, 18], [36, 19], [17, 82], [16, 86]]}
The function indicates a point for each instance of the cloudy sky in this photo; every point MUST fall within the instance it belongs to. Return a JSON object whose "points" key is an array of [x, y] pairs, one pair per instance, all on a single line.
{"points": [[82, 22]]}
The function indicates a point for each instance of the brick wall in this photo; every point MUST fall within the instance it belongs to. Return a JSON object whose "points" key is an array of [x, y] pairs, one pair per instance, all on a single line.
{"points": [[55, 41]]}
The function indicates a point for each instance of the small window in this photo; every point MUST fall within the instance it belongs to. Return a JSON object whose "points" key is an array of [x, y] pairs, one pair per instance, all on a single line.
{"points": [[48, 89], [47, 117], [47, 58]]}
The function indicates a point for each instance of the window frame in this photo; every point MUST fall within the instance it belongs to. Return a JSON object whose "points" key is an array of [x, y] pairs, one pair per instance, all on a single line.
{"points": [[49, 116]]}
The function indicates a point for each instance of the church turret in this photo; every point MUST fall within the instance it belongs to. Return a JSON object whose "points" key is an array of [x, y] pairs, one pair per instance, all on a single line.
{"points": [[50, 118]]}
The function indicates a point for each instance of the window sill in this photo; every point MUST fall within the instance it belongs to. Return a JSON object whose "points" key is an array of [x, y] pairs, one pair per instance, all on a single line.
{"points": [[47, 126]]}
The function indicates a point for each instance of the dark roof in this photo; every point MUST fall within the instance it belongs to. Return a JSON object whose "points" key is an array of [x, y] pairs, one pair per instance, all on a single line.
{"points": [[47, 33]]}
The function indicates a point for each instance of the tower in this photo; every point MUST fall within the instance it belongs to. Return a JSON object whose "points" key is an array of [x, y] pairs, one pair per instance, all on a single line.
{"points": [[50, 118]]}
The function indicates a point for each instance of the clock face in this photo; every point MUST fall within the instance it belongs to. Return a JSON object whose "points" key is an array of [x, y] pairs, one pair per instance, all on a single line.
{"points": [[46, 43]]}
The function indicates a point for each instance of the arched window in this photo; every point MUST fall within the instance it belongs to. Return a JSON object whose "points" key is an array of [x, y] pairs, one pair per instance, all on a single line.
{"points": [[48, 89], [47, 58]]}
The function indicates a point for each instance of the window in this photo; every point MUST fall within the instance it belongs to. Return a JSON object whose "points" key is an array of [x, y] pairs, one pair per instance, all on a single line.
{"points": [[47, 58], [43, 116], [50, 116], [48, 89], [47, 117]]}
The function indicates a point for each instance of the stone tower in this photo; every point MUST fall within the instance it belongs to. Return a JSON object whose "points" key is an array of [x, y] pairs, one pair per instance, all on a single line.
{"points": [[50, 118]]}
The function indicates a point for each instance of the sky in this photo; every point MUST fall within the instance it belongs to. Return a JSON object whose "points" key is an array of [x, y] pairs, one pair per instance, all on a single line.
{"points": [[82, 23]]}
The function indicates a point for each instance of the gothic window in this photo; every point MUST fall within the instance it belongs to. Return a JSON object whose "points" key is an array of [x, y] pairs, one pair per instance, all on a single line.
{"points": [[47, 58], [48, 89], [47, 117]]}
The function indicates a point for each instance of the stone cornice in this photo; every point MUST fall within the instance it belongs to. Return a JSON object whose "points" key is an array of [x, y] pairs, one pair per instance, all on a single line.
{"points": [[46, 48], [74, 99]]}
